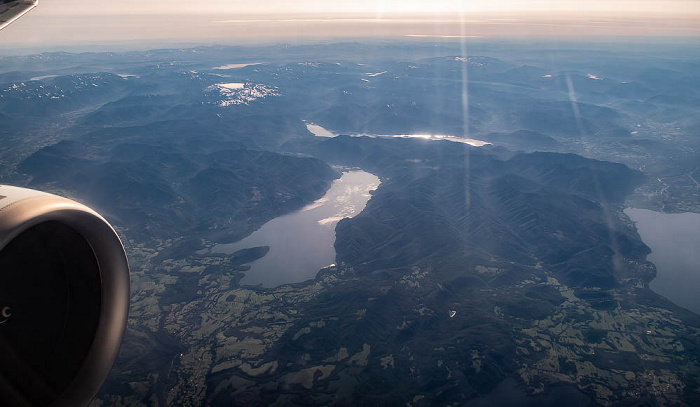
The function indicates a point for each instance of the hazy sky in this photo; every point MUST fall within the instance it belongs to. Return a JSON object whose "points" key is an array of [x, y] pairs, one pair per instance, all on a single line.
{"points": [[281, 7], [112, 21]]}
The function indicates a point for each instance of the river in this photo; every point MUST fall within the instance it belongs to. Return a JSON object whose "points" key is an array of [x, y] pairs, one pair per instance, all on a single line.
{"points": [[674, 239], [301, 242]]}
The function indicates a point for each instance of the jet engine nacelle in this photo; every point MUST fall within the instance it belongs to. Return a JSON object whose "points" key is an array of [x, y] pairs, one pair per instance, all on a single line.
{"points": [[64, 299]]}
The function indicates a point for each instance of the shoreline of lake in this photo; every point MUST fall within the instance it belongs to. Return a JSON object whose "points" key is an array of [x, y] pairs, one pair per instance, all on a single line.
{"points": [[674, 240], [301, 242]]}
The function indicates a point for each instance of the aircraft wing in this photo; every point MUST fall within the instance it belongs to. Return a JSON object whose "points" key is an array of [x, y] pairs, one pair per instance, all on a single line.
{"points": [[11, 10]]}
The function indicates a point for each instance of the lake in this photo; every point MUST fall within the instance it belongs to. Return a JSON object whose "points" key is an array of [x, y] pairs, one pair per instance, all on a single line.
{"points": [[301, 243], [319, 131], [674, 239]]}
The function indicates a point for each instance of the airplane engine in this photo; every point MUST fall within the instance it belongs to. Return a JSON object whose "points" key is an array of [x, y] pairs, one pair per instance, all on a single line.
{"points": [[64, 299]]}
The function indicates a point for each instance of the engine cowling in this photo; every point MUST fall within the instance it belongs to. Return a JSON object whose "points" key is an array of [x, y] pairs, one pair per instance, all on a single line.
{"points": [[64, 299]]}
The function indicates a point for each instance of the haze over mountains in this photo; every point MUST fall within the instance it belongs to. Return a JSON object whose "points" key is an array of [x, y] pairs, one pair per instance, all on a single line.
{"points": [[470, 270]]}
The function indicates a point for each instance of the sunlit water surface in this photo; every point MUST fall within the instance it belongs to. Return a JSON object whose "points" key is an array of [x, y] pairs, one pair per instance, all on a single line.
{"points": [[301, 243], [319, 131]]}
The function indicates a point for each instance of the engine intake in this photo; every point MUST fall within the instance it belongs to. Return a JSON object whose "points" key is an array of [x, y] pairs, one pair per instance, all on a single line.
{"points": [[64, 299]]}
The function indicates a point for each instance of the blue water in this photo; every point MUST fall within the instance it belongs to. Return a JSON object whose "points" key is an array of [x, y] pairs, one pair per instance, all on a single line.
{"points": [[674, 239]]}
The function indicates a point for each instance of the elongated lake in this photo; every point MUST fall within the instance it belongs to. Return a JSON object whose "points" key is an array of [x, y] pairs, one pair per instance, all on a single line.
{"points": [[319, 131], [301, 243], [674, 239]]}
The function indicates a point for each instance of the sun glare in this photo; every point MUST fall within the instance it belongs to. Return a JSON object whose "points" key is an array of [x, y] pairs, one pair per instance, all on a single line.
{"points": [[179, 21]]}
